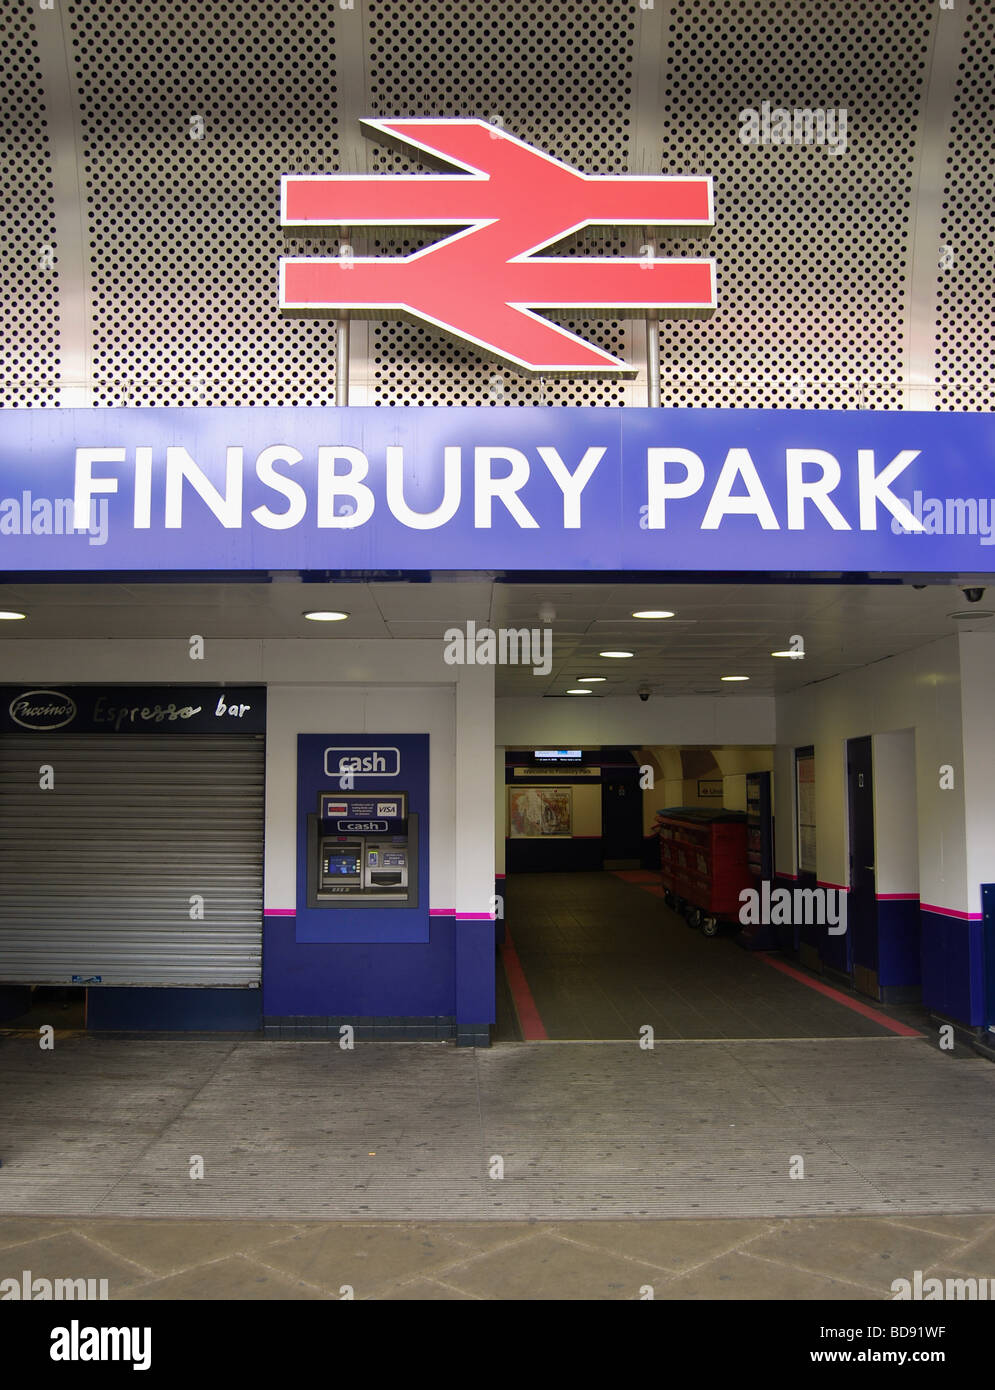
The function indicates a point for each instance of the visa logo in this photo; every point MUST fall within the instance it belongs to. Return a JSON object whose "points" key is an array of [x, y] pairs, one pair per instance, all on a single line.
{"points": [[362, 762]]}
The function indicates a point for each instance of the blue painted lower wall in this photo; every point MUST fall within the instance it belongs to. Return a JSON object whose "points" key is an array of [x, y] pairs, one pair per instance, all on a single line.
{"points": [[953, 967], [899, 945], [167, 1010], [450, 976], [359, 979]]}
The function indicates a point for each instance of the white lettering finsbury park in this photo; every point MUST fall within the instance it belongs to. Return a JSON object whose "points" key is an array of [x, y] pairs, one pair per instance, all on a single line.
{"points": [[340, 494]]}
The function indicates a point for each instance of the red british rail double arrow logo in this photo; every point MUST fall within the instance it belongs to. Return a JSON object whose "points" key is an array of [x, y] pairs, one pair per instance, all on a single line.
{"points": [[485, 282]]}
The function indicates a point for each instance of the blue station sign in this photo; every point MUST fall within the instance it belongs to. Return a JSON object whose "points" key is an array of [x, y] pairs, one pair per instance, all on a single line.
{"points": [[365, 488]]}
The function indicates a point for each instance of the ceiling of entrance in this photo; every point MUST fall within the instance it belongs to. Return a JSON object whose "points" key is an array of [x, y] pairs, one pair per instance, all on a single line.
{"points": [[717, 630]]}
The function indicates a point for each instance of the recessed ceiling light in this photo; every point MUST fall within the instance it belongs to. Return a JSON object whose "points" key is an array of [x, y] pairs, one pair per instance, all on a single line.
{"points": [[972, 613], [11, 617], [616, 654], [591, 680], [734, 678], [326, 616], [653, 613], [581, 691]]}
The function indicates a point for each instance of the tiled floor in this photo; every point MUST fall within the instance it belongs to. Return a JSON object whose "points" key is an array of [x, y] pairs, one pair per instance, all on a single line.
{"points": [[603, 957], [826, 1259]]}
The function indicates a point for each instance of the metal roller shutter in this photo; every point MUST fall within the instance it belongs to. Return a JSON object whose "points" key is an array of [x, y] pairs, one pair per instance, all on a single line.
{"points": [[97, 874]]}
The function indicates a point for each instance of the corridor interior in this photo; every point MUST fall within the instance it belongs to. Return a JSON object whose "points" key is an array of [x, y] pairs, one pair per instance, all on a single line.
{"points": [[599, 956]]}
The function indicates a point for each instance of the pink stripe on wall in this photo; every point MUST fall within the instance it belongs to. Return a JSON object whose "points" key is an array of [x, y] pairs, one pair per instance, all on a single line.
{"points": [[953, 912], [432, 912], [897, 897]]}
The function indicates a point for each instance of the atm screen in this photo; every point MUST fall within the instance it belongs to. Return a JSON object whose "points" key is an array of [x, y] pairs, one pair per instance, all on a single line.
{"points": [[342, 865]]}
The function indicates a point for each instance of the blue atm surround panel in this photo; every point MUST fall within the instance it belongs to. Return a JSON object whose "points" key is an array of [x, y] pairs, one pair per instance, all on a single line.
{"points": [[362, 876]]}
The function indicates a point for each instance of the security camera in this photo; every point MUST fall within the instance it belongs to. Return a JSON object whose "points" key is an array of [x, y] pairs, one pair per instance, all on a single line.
{"points": [[974, 595], [643, 692]]}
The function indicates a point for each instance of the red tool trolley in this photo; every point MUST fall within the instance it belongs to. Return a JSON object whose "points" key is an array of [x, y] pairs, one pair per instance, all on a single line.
{"points": [[703, 864]]}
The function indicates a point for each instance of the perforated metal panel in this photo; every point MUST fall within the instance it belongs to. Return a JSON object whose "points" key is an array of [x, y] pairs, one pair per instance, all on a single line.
{"points": [[182, 239], [189, 114], [965, 318], [558, 75], [97, 873], [812, 247], [29, 270]]}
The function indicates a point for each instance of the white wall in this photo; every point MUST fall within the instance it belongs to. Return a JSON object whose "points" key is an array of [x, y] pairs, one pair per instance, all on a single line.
{"points": [[472, 845], [977, 651], [896, 838], [918, 690], [500, 811]]}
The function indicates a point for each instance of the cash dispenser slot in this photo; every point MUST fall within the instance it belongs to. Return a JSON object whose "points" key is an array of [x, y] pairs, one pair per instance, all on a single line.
{"points": [[363, 851]]}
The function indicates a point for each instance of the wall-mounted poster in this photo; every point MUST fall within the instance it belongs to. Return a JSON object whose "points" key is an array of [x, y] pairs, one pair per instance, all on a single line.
{"points": [[710, 786], [537, 811]]}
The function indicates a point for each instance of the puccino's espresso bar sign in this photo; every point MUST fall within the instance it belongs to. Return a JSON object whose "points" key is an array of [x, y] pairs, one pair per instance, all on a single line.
{"points": [[133, 709]]}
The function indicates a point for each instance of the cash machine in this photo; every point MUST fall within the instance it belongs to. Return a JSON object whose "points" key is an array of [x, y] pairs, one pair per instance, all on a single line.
{"points": [[362, 851]]}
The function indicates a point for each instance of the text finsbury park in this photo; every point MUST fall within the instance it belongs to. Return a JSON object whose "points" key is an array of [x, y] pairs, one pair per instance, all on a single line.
{"points": [[609, 489]]}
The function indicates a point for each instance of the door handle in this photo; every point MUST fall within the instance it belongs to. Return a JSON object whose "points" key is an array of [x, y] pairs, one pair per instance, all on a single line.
{"points": [[870, 867]]}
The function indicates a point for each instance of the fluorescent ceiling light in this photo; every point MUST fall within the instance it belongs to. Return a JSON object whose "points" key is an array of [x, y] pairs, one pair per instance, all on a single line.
{"points": [[326, 616], [653, 613], [616, 654]]}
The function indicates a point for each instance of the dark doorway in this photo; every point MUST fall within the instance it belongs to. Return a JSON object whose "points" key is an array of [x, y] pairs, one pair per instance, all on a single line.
{"points": [[621, 818], [861, 937]]}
